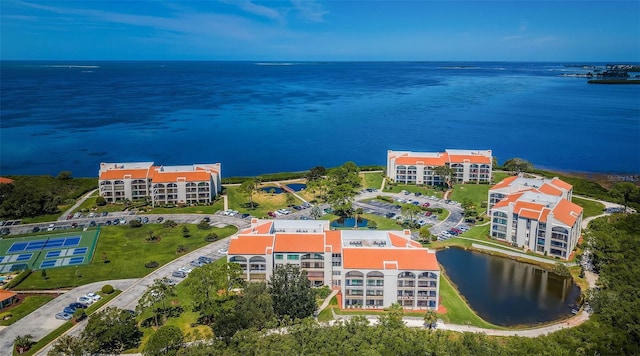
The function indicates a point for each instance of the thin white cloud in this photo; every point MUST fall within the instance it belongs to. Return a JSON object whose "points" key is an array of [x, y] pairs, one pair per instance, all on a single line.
{"points": [[310, 10], [255, 9]]}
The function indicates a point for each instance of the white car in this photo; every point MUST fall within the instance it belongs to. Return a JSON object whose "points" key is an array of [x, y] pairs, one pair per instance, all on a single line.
{"points": [[51, 227], [186, 270], [93, 296], [85, 300], [223, 251]]}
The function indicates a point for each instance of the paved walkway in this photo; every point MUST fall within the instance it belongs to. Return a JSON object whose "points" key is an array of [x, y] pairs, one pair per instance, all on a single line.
{"points": [[76, 205]]}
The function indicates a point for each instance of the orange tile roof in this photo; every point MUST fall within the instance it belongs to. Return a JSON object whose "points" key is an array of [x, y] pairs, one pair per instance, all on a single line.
{"points": [[172, 177], [299, 243], [508, 199], [427, 161], [470, 158], [528, 210], [121, 173], [5, 294], [250, 245], [561, 184], [4, 180], [417, 259], [567, 212], [398, 241], [543, 216], [505, 182], [550, 190], [334, 238], [264, 228]]}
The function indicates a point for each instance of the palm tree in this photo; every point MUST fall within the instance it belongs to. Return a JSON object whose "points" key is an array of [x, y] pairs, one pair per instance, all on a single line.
{"points": [[249, 187], [430, 318], [445, 173], [23, 343]]}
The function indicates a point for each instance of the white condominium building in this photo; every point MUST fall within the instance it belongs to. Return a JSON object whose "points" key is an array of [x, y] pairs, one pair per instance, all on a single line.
{"points": [[373, 269], [165, 185], [469, 166], [535, 213]]}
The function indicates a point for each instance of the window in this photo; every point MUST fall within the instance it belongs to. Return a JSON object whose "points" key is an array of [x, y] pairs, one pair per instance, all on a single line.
{"points": [[293, 257], [279, 256]]}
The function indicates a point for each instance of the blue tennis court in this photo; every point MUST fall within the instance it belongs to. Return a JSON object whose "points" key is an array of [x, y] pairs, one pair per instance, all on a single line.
{"points": [[76, 260], [24, 257], [80, 251], [53, 254], [44, 244], [47, 251], [48, 263]]}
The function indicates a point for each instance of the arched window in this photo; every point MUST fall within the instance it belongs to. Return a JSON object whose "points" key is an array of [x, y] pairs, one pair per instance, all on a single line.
{"points": [[118, 182], [499, 214], [354, 274], [257, 259], [191, 184], [406, 275], [172, 185], [561, 230], [375, 274], [238, 259]]}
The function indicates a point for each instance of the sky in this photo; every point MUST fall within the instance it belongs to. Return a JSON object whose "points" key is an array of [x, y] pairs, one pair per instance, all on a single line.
{"points": [[310, 30]]}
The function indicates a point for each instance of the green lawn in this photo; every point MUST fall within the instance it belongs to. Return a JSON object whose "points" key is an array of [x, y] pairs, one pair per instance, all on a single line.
{"points": [[198, 209], [499, 176], [591, 208], [28, 305], [372, 179], [45, 218], [383, 223], [458, 311], [476, 192], [264, 202], [127, 252]]}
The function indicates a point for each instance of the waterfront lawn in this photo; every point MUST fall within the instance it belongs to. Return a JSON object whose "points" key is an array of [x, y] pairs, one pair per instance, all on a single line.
{"points": [[476, 192], [496, 177], [29, 304], [591, 208], [264, 201], [372, 179], [126, 253], [197, 209], [458, 311], [45, 218]]}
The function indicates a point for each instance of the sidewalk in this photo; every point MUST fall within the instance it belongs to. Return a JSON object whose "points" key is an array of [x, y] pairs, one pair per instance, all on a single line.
{"points": [[76, 205]]}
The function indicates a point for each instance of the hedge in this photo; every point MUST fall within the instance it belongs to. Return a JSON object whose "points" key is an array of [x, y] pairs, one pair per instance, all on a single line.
{"points": [[18, 279]]}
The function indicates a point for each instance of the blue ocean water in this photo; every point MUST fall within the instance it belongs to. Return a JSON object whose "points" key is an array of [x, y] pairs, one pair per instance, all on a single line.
{"points": [[260, 118]]}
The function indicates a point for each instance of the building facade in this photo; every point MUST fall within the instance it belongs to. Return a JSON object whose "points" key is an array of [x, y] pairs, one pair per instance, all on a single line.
{"points": [[536, 214], [469, 166], [164, 185], [373, 269]]}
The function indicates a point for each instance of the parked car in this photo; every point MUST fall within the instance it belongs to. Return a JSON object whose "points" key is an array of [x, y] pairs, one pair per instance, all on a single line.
{"points": [[35, 229], [108, 222], [245, 215], [77, 305], [272, 214], [169, 281], [426, 205], [207, 219], [196, 263], [51, 227], [179, 274], [93, 296], [160, 219], [85, 300], [69, 310], [64, 316], [105, 213], [205, 259], [223, 251], [145, 220]]}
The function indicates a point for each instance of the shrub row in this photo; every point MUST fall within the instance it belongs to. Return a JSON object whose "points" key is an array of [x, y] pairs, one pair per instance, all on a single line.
{"points": [[18, 279]]}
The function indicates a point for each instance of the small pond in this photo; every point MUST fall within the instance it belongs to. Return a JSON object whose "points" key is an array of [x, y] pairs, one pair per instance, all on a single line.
{"points": [[296, 187], [349, 222], [507, 292], [272, 189]]}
